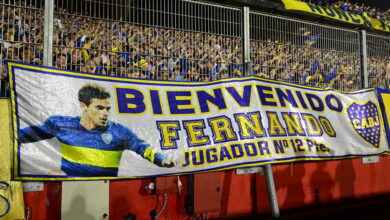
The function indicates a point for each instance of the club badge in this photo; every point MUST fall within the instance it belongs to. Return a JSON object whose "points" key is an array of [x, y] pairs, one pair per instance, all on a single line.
{"points": [[365, 121], [107, 138]]}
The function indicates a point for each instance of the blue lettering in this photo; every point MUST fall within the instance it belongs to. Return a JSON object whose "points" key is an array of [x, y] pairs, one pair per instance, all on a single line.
{"points": [[250, 149], [237, 150], [264, 96], [130, 101], [301, 100], [245, 99], [342, 15], [283, 96], [225, 154], [156, 103], [176, 105], [329, 12], [195, 160], [320, 105], [211, 158], [354, 20], [217, 100], [315, 8], [328, 99]]}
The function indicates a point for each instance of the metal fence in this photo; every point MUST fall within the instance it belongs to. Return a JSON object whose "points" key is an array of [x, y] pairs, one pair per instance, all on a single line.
{"points": [[378, 60], [304, 53], [168, 40], [186, 40], [21, 35]]}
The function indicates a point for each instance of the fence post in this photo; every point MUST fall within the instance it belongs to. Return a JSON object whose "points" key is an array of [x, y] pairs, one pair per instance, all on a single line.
{"points": [[363, 58], [246, 59], [48, 33], [273, 199]]}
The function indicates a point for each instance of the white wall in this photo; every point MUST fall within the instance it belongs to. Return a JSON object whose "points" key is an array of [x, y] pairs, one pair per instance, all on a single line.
{"points": [[87, 200]]}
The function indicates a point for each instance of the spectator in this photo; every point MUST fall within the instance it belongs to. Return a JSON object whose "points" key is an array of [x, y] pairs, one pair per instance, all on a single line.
{"points": [[61, 61], [116, 48]]}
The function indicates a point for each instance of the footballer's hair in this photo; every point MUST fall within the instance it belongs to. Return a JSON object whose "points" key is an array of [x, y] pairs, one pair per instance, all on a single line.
{"points": [[92, 91]]}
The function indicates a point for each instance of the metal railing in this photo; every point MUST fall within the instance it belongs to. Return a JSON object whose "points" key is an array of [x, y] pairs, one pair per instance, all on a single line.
{"points": [[21, 31], [169, 40], [304, 53], [378, 60], [187, 40]]}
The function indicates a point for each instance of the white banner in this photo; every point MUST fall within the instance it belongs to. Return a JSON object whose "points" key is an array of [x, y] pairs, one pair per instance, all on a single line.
{"points": [[73, 125]]}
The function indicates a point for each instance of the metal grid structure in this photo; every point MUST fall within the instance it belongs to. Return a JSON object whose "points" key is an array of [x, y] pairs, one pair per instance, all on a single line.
{"points": [[304, 53], [21, 35], [186, 40], [378, 60], [166, 40]]}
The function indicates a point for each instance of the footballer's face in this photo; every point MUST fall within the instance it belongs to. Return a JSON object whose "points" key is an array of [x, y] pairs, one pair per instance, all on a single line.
{"points": [[97, 112]]}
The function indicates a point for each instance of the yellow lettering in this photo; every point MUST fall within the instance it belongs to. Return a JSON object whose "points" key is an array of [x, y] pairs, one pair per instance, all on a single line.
{"points": [[371, 122], [327, 126], [169, 134], [355, 123], [377, 120], [364, 123], [293, 123], [275, 128], [222, 129], [312, 125], [195, 133], [251, 126]]}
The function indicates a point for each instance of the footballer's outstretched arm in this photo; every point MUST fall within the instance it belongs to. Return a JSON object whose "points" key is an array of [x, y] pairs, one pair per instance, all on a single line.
{"points": [[37, 132], [140, 147]]}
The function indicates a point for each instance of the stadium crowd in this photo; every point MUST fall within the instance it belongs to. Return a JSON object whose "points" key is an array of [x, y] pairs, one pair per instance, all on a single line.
{"points": [[361, 8], [306, 66], [116, 48], [358, 8]]}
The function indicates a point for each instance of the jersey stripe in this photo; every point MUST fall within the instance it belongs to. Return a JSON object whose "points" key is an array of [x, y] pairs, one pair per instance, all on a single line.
{"points": [[90, 156]]}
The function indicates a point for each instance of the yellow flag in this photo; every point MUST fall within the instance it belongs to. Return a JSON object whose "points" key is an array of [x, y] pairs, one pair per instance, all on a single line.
{"points": [[14, 194]]}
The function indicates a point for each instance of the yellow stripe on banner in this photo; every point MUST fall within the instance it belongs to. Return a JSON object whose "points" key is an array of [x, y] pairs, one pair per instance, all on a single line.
{"points": [[15, 194], [90, 156], [5, 140], [386, 103], [15, 123]]}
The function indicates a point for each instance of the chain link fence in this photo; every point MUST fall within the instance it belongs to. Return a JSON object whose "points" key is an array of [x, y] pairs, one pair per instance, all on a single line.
{"points": [[165, 40], [187, 40], [378, 61], [21, 35], [299, 52]]}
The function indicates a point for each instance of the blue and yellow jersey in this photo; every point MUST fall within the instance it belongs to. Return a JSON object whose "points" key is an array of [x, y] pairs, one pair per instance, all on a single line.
{"points": [[85, 152]]}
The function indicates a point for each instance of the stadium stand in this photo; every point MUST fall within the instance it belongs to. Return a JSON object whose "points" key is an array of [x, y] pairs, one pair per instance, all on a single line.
{"points": [[112, 47], [358, 7]]}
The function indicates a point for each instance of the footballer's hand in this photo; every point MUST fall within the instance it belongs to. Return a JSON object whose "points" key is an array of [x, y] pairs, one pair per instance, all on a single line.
{"points": [[168, 163]]}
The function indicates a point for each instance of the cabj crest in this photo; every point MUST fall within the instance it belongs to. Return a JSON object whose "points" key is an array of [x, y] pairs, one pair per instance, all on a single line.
{"points": [[365, 121], [107, 138]]}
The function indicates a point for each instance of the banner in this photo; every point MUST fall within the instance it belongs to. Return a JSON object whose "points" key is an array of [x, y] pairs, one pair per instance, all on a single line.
{"points": [[338, 14], [384, 99], [11, 191], [71, 125]]}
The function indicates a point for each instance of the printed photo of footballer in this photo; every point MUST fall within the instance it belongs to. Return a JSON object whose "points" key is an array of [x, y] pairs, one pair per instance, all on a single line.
{"points": [[91, 145]]}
